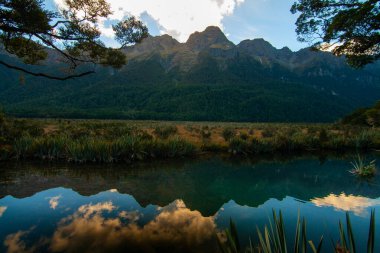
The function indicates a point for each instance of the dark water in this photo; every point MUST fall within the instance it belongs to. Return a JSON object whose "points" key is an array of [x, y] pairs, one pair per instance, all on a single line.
{"points": [[177, 206]]}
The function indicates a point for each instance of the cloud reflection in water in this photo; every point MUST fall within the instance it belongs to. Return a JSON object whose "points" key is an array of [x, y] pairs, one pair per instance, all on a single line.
{"points": [[175, 228], [2, 210], [356, 204]]}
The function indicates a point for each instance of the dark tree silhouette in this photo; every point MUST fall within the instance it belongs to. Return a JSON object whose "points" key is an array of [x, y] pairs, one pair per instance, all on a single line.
{"points": [[29, 31], [348, 27]]}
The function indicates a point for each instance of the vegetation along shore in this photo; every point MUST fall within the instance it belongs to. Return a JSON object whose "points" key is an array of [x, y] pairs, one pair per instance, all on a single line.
{"points": [[106, 141]]}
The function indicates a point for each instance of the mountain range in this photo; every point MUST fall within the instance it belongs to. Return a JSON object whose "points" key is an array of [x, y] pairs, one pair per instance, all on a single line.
{"points": [[208, 78]]}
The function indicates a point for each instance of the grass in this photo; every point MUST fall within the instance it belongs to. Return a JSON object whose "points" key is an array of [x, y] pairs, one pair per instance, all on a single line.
{"points": [[273, 239], [101, 140], [126, 148], [362, 168]]}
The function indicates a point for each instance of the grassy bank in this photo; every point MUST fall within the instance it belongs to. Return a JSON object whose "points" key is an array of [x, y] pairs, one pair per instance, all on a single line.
{"points": [[128, 141]]}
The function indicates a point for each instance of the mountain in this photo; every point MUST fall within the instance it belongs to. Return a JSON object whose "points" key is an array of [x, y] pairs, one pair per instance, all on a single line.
{"points": [[206, 78]]}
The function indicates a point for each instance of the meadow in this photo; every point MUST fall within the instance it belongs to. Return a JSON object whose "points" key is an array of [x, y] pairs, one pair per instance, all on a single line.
{"points": [[112, 141]]}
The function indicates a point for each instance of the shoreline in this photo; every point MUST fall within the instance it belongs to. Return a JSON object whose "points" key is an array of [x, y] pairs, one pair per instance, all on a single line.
{"points": [[93, 141]]}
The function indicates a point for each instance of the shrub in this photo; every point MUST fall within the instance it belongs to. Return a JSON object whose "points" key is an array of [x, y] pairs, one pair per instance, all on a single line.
{"points": [[165, 132], [323, 136], [244, 136], [238, 146], [228, 133], [206, 134], [267, 133]]}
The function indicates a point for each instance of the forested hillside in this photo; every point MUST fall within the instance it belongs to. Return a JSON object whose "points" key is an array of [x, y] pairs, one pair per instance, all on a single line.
{"points": [[206, 78]]}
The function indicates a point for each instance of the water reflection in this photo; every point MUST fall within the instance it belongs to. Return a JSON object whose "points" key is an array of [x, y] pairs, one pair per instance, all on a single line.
{"points": [[357, 204], [54, 202], [175, 208], [106, 227], [175, 228], [2, 210]]}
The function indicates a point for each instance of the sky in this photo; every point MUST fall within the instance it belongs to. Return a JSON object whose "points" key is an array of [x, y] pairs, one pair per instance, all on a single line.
{"points": [[238, 19]]}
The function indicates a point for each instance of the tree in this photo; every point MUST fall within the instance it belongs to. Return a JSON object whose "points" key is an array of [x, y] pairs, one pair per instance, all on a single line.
{"points": [[348, 27], [30, 31]]}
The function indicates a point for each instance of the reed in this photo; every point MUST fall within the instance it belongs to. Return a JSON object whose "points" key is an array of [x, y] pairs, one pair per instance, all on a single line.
{"points": [[273, 238]]}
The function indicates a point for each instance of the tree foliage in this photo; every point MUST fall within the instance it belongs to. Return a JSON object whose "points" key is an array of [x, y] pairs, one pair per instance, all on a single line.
{"points": [[348, 27], [364, 116], [28, 30]]}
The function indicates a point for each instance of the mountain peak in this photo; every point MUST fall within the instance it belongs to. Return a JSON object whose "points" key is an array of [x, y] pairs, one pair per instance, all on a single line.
{"points": [[258, 47], [212, 35]]}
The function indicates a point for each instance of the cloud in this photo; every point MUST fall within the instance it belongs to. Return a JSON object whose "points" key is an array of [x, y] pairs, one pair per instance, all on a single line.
{"points": [[176, 228], [178, 18], [356, 204], [54, 202], [15, 244], [2, 210]]}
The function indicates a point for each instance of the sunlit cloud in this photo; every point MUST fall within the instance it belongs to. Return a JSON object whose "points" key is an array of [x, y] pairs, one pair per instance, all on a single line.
{"points": [[54, 201], [178, 18], [2, 210], [130, 216], [90, 231], [16, 243], [356, 204]]}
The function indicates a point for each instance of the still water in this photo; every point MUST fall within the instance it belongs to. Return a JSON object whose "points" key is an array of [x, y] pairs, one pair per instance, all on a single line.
{"points": [[178, 206]]}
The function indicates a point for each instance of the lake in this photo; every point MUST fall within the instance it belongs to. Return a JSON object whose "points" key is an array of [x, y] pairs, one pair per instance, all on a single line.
{"points": [[179, 206]]}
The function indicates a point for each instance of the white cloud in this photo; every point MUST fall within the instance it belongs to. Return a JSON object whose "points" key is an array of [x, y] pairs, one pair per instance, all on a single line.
{"points": [[89, 230], [357, 204], [178, 18], [54, 202]]}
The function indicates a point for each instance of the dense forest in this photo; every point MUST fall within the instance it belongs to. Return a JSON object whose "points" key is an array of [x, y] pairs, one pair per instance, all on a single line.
{"points": [[205, 79]]}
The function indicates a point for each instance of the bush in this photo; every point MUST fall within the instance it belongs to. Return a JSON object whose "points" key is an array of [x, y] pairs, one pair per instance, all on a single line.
{"points": [[228, 133], [165, 132], [206, 134], [239, 146], [323, 137]]}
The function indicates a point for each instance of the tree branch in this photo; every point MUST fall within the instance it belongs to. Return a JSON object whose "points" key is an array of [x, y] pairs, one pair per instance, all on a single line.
{"points": [[46, 75]]}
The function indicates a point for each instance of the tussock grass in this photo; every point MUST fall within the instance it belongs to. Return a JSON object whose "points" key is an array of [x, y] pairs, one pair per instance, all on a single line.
{"points": [[116, 141], [362, 168]]}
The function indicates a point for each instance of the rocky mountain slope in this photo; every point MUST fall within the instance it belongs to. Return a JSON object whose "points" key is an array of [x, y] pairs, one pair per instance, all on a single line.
{"points": [[206, 78]]}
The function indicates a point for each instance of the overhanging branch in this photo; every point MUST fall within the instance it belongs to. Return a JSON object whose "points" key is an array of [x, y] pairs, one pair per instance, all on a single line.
{"points": [[46, 75]]}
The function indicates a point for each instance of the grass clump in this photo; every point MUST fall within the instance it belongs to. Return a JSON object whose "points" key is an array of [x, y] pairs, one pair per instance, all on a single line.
{"points": [[228, 133], [362, 168], [206, 134], [165, 132], [239, 146], [127, 148]]}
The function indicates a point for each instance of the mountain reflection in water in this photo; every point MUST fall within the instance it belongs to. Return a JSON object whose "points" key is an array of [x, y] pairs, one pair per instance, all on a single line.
{"points": [[182, 208]]}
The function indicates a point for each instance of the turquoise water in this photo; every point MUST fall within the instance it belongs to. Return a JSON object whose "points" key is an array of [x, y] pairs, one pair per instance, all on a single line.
{"points": [[177, 206]]}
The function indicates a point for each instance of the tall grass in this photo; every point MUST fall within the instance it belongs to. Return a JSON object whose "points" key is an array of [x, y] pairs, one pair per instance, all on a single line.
{"points": [[165, 132], [116, 141], [362, 168], [126, 148], [273, 238]]}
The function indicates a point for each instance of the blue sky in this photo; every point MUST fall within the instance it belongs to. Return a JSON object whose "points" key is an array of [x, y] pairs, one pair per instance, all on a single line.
{"points": [[239, 19]]}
